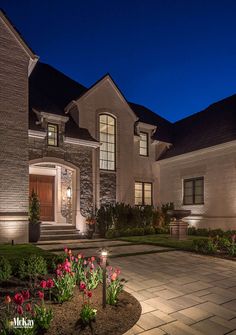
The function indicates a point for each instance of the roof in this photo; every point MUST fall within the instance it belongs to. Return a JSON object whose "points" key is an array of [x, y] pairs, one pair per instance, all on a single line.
{"points": [[164, 127], [214, 125], [50, 91]]}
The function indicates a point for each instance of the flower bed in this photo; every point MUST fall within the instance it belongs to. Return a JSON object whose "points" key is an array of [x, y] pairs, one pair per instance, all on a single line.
{"points": [[67, 302]]}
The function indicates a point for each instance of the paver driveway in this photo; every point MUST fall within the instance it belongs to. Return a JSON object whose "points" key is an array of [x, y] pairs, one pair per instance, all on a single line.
{"points": [[181, 293]]}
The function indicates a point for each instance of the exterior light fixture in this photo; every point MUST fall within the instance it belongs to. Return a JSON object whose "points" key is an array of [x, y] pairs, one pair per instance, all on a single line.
{"points": [[104, 254], [68, 192]]}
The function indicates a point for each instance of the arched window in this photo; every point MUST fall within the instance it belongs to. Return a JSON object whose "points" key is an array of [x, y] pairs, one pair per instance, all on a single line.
{"points": [[107, 134]]}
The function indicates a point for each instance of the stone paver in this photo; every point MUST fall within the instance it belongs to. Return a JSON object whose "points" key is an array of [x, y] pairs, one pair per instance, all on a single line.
{"points": [[180, 293], [190, 294]]}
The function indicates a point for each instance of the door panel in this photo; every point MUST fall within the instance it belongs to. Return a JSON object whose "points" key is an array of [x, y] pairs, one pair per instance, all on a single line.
{"points": [[44, 187]]}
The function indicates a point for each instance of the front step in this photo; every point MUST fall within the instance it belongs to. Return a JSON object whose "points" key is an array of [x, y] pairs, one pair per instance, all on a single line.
{"points": [[50, 232]]}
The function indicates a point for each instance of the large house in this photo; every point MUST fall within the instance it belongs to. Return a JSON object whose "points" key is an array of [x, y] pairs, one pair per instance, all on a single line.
{"points": [[80, 147]]}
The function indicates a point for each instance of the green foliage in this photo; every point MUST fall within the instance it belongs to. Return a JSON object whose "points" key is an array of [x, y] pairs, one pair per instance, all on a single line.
{"points": [[64, 287], [162, 230], [205, 246], [5, 269], [43, 317], [34, 208], [119, 219], [104, 219], [87, 314], [53, 261], [113, 291], [32, 267]]}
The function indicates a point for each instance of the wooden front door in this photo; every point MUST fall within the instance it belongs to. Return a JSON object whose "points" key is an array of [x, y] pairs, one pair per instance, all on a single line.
{"points": [[44, 187]]}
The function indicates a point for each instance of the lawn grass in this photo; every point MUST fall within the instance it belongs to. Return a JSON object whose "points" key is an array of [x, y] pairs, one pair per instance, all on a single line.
{"points": [[18, 251], [163, 240]]}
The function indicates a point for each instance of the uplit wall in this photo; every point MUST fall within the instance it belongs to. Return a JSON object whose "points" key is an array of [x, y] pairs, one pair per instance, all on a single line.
{"points": [[218, 167]]}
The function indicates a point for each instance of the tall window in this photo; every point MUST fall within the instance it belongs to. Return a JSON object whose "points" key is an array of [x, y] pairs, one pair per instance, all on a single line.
{"points": [[143, 193], [107, 132], [193, 191], [52, 134], [143, 144]]}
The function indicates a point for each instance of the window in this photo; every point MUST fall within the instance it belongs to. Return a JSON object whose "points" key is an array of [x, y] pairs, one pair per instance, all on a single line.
{"points": [[107, 132], [52, 134], [143, 193], [143, 144], [193, 191]]}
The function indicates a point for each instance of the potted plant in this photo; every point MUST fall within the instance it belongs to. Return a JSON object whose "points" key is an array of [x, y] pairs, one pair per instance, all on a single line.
{"points": [[34, 218], [91, 221]]}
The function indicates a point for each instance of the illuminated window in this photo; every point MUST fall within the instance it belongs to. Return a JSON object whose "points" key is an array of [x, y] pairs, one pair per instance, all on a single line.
{"points": [[193, 191], [143, 193], [107, 132], [52, 134], [143, 144]]}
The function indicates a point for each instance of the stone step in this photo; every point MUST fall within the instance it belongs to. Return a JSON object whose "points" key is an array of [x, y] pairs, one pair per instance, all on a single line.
{"points": [[58, 232], [57, 227], [61, 237]]}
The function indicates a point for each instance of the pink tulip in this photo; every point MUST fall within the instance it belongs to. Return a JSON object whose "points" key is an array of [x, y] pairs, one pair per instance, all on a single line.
{"points": [[50, 283], [114, 276]]}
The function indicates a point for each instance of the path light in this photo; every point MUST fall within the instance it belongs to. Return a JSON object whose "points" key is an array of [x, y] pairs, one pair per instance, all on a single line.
{"points": [[104, 254]]}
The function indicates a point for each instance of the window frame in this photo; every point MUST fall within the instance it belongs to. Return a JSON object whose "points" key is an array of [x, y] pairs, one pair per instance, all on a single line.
{"points": [[193, 180], [57, 133], [143, 193], [147, 137], [115, 139]]}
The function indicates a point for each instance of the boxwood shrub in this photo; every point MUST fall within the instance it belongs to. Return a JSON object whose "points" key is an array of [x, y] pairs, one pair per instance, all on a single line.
{"points": [[5, 269]]}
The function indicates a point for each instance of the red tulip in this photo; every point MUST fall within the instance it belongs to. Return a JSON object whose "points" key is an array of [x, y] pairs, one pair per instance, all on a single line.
{"points": [[50, 283], [41, 295], [28, 307], [19, 310], [89, 294], [82, 286], [18, 299], [92, 259], [43, 284], [26, 294]]}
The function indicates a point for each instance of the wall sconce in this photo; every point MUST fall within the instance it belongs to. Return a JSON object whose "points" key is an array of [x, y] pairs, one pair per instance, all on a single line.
{"points": [[68, 192]]}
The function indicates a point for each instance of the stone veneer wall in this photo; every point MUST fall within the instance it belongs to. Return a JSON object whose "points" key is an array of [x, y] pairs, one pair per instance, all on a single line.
{"points": [[13, 138], [107, 187], [79, 156]]}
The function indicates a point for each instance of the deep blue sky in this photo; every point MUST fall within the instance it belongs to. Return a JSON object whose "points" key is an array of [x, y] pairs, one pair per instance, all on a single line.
{"points": [[173, 56]]}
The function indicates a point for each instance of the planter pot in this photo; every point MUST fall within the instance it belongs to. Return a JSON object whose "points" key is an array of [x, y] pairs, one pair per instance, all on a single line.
{"points": [[34, 231]]}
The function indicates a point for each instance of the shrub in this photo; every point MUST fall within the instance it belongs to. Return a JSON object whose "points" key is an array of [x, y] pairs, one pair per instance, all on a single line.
{"points": [[5, 269], [162, 230], [112, 233], [32, 267], [149, 230], [104, 219], [205, 246], [215, 232], [34, 208]]}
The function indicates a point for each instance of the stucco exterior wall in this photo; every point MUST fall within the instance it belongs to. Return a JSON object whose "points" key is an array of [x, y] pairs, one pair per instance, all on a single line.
{"points": [[218, 167], [13, 138], [130, 167]]}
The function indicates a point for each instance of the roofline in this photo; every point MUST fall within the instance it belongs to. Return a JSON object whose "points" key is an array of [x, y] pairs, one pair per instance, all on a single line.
{"points": [[33, 57], [190, 154], [99, 81]]}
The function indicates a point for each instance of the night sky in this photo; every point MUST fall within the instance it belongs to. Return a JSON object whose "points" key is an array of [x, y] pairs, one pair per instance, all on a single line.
{"points": [[174, 56]]}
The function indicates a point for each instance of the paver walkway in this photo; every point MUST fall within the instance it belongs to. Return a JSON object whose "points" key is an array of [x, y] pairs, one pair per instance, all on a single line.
{"points": [[180, 293]]}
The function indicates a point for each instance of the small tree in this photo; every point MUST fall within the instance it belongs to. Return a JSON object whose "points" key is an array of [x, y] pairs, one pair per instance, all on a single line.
{"points": [[34, 208]]}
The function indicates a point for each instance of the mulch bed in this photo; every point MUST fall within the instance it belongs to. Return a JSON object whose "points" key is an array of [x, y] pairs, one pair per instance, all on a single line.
{"points": [[113, 320]]}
